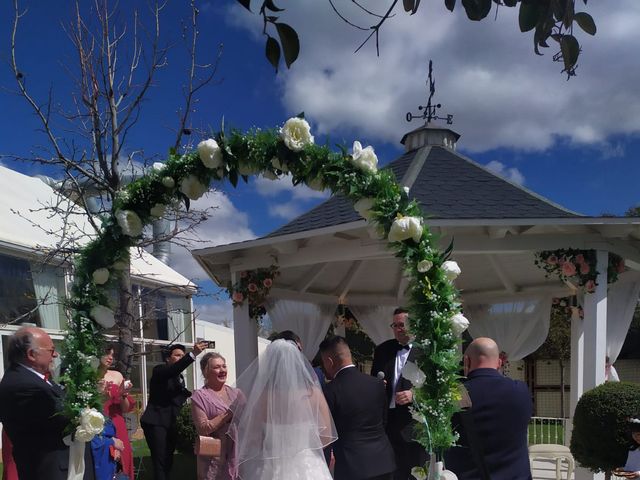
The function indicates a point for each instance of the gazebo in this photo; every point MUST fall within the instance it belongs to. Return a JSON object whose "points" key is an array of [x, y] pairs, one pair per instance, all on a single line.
{"points": [[330, 256]]}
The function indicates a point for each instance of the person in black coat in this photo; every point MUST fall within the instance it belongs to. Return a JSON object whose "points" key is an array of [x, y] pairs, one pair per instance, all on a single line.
{"points": [[388, 359], [167, 395], [30, 409], [500, 412], [358, 405]]}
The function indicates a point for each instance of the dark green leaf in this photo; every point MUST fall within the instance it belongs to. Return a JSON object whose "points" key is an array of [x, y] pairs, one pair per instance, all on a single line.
{"points": [[570, 49], [290, 43], [233, 178], [272, 6], [528, 16], [510, 3], [300, 115], [450, 4], [415, 7], [408, 5], [586, 22], [245, 3], [477, 9], [272, 51]]}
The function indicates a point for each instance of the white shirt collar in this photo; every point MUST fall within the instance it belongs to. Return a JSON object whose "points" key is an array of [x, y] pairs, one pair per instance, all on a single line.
{"points": [[346, 366]]}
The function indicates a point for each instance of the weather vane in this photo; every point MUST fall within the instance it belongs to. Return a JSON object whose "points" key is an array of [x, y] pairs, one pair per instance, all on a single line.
{"points": [[429, 112]]}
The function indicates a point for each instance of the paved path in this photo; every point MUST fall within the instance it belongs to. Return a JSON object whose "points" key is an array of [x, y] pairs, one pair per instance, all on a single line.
{"points": [[546, 470]]}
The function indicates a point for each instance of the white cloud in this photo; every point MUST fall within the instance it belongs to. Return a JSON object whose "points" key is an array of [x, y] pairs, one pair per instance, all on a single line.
{"points": [[224, 224], [512, 174], [220, 312], [501, 93], [286, 211]]}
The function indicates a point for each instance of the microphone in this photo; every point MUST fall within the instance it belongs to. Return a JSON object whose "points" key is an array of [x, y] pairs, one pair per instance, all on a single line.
{"points": [[380, 375]]}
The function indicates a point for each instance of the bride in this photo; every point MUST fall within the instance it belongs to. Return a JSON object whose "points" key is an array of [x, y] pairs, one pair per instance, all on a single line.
{"points": [[282, 422]]}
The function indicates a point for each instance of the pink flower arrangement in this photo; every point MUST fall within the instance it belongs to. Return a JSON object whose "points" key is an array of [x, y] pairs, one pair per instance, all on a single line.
{"points": [[253, 286], [578, 266]]}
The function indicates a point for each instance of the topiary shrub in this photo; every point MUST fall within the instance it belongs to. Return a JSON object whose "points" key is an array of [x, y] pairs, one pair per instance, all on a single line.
{"points": [[600, 439], [186, 431]]}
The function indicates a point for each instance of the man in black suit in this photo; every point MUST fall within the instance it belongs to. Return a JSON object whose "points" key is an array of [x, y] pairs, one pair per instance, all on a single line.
{"points": [[167, 395], [388, 360], [493, 436], [358, 405], [31, 406]]}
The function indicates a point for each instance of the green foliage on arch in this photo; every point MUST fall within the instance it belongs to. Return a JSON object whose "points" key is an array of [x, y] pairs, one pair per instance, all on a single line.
{"points": [[434, 308]]}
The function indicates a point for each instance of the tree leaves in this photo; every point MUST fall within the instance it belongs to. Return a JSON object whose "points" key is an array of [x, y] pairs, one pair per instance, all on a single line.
{"points": [[411, 5], [528, 15], [450, 4], [477, 9], [272, 52], [586, 22], [290, 43], [570, 49]]}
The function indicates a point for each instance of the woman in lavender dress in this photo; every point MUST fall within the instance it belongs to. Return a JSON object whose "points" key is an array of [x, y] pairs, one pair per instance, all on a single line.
{"points": [[211, 417]]}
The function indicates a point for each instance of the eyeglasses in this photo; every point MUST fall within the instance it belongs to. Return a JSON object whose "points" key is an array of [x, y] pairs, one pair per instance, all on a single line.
{"points": [[51, 350], [397, 325]]}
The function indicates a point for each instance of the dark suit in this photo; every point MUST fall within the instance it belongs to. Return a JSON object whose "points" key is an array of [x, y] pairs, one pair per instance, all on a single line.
{"points": [[167, 395], [501, 410], [358, 406], [399, 422], [30, 413]]}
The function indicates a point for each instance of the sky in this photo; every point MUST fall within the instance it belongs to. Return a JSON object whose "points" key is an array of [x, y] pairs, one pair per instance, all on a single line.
{"points": [[575, 142]]}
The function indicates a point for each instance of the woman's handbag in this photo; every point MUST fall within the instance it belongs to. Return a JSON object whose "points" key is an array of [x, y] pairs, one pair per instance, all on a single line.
{"points": [[208, 446]]}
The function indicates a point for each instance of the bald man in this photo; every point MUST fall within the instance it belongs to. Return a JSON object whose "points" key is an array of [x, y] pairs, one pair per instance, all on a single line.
{"points": [[30, 407], [493, 432]]}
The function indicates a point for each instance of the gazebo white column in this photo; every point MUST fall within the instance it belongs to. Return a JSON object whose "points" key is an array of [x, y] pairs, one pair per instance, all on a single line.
{"points": [[595, 341], [245, 335]]}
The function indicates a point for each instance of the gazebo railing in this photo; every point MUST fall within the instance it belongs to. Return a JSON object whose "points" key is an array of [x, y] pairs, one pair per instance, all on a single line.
{"points": [[547, 430]]}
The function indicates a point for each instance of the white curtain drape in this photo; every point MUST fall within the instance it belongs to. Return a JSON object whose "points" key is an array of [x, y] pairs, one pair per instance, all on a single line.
{"points": [[375, 321], [518, 325], [309, 320], [46, 285], [622, 298]]}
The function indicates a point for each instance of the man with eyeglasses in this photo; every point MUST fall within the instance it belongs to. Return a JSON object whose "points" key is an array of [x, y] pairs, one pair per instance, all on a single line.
{"points": [[31, 406], [388, 360]]}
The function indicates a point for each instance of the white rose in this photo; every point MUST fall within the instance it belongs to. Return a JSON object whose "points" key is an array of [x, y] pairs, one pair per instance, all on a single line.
{"points": [[424, 266], [158, 166], [83, 435], [168, 182], [128, 384], [100, 276], [406, 190], [451, 269], [405, 228], [419, 473], [279, 165], [91, 420], [417, 416], [363, 207], [269, 175], [459, 324], [296, 134], [192, 187], [103, 316], [210, 153], [129, 222], [316, 184], [158, 210], [411, 372], [364, 158]]}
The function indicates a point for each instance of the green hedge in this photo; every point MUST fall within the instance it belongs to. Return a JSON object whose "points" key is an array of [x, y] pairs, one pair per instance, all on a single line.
{"points": [[600, 439], [186, 431]]}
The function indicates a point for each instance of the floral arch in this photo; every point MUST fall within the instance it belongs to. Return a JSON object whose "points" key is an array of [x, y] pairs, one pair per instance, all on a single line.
{"points": [[436, 321]]}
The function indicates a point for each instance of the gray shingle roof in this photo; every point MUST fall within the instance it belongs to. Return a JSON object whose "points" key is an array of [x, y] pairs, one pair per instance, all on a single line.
{"points": [[448, 186]]}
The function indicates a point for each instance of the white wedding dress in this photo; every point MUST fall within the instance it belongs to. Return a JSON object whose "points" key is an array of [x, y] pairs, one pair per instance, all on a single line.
{"points": [[283, 423]]}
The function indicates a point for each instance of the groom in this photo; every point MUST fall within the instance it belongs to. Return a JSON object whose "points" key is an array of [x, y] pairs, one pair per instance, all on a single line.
{"points": [[358, 404]]}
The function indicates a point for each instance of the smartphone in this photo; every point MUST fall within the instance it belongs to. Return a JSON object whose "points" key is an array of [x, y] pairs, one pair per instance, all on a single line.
{"points": [[210, 343]]}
